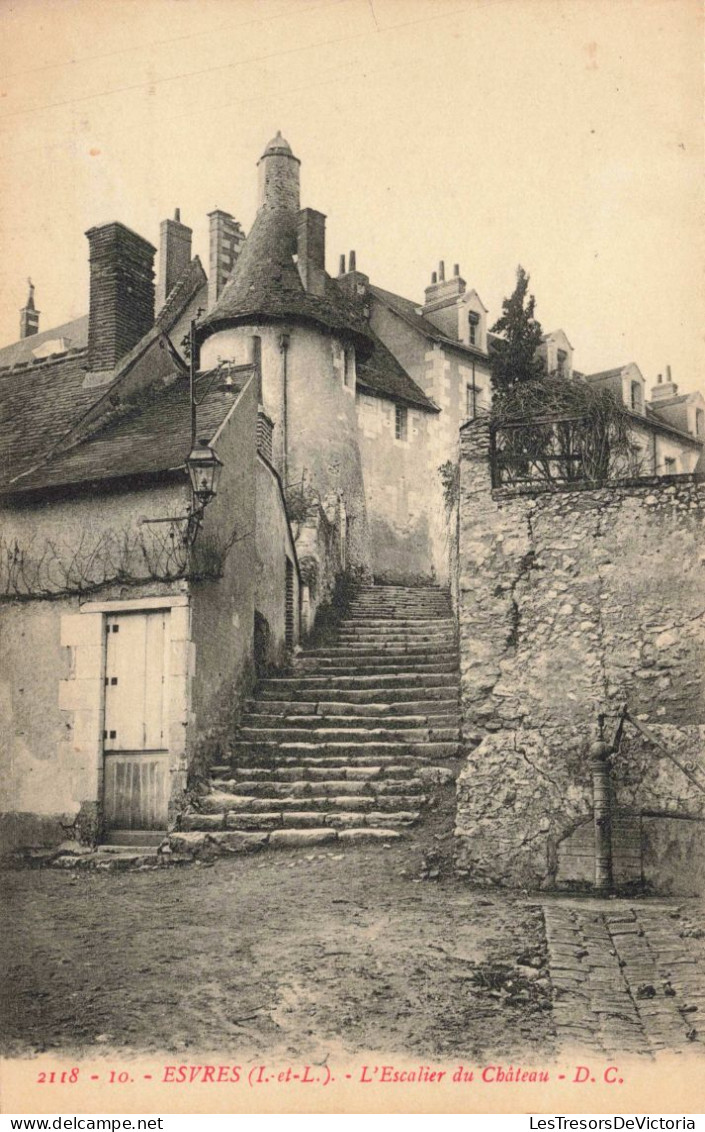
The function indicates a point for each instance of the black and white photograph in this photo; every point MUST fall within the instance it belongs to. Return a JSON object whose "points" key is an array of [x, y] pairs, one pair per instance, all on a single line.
{"points": [[352, 594]]}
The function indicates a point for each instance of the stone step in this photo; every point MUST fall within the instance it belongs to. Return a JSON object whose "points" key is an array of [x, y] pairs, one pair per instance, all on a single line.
{"points": [[221, 802], [392, 764], [324, 787], [371, 681], [386, 626], [348, 720], [314, 771], [375, 667], [241, 819], [226, 842], [327, 735], [395, 649], [370, 750], [368, 697], [333, 708]]}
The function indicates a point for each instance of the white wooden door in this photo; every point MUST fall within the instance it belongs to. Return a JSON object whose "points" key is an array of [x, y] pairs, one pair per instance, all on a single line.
{"points": [[135, 743]]}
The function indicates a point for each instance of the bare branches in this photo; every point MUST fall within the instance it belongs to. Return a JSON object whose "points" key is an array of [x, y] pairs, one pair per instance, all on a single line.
{"points": [[44, 568], [558, 431]]}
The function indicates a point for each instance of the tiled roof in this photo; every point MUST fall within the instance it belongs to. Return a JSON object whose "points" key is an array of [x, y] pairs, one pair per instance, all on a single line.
{"points": [[265, 284], [193, 279], [605, 374], [408, 310], [654, 419], [37, 405], [43, 404], [381, 373], [150, 436], [680, 399], [74, 334]]}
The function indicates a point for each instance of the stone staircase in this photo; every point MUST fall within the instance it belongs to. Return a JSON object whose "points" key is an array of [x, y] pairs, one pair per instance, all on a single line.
{"points": [[350, 743]]}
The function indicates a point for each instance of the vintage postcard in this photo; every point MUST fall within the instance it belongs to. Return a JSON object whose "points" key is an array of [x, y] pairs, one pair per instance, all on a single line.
{"points": [[352, 414]]}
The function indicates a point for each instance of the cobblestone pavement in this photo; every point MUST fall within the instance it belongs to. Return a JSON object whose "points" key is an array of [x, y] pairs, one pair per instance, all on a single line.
{"points": [[628, 977]]}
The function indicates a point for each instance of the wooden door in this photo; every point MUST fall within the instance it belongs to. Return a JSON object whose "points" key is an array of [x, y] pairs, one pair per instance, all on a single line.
{"points": [[135, 743]]}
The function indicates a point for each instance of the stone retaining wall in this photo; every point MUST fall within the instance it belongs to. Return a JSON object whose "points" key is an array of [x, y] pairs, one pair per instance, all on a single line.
{"points": [[573, 603]]}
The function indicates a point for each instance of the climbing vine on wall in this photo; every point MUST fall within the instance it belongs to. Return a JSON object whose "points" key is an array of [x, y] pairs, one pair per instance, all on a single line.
{"points": [[554, 431], [46, 568]]}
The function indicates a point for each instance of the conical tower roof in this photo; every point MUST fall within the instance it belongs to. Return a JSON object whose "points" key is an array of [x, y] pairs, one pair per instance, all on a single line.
{"points": [[265, 285]]}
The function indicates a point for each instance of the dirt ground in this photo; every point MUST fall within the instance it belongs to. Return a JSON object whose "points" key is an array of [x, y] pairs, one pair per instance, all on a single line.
{"points": [[292, 954]]}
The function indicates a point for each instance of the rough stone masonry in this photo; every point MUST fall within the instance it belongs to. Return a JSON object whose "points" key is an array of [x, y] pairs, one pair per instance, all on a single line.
{"points": [[572, 603]]}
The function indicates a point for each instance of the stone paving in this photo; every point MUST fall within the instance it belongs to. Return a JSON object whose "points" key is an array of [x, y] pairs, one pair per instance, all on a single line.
{"points": [[627, 975]]}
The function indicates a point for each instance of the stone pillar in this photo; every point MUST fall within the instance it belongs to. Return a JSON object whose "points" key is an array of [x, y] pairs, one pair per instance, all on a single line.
{"points": [[599, 756]]}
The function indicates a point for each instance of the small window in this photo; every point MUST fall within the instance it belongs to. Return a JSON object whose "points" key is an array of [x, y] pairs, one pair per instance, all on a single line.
{"points": [[349, 367], [401, 423], [636, 397], [670, 466], [700, 422], [561, 359], [473, 327]]}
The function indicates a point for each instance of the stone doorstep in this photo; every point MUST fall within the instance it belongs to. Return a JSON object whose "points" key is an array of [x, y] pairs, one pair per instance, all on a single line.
{"points": [[237, 841]]}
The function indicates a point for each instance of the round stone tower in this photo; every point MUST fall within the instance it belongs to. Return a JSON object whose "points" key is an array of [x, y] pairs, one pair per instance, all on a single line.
{"points": [[279, 176]]}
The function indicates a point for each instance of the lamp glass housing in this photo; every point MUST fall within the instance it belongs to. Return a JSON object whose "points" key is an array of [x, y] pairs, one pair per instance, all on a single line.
{"points": [[204, 468]]}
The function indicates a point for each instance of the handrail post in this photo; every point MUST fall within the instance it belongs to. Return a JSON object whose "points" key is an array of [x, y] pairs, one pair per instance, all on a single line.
{"points": [[601, 793]]}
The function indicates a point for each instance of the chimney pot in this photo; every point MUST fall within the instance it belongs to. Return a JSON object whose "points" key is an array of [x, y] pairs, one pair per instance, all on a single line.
{"points": [[456, 269], [341, 269], [352, 261], [177, 215], [660, 378], [668, 374], [434, 278], [441, 272], [29, 315]]}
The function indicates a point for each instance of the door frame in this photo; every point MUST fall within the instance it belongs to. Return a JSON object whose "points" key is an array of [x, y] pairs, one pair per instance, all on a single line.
{"points": [[89, 661]]}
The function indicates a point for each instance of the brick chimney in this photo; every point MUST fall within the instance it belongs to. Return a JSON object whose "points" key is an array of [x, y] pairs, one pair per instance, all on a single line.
{"points": [[29, 317], [174, 255], [121, 307], [441, 300], [355, 283], [311, 250], [226, 240]]}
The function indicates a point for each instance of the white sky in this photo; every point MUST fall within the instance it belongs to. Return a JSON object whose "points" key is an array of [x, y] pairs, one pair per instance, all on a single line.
{"points": [[566, 135]]}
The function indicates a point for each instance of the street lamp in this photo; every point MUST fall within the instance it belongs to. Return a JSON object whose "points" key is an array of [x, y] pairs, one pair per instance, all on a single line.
{"points": [[204, 468]]}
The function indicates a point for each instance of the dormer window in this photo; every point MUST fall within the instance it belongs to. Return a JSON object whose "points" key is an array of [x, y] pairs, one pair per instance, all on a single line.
{"points": [[473, 328], [561, 362], [636, 397], [700, 422]]}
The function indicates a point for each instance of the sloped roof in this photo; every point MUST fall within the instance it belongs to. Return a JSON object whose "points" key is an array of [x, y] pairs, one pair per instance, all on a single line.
{"points": [[37, 404], [74, 334], [46, 405], [189, 284], [149, 436], [604, 374], [408, 310], [265, 284], [381, 373], [679, 399]]}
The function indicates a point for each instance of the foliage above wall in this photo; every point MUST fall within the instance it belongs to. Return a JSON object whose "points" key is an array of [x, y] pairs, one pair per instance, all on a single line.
{"points": [[556, 430]]}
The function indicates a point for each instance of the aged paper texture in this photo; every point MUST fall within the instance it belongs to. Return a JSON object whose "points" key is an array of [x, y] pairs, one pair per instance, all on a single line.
{"points": [[351, 601]]}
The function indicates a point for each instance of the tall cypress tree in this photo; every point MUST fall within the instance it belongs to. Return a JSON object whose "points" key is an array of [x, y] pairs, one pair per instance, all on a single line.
{"points": [[514, 359]]}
